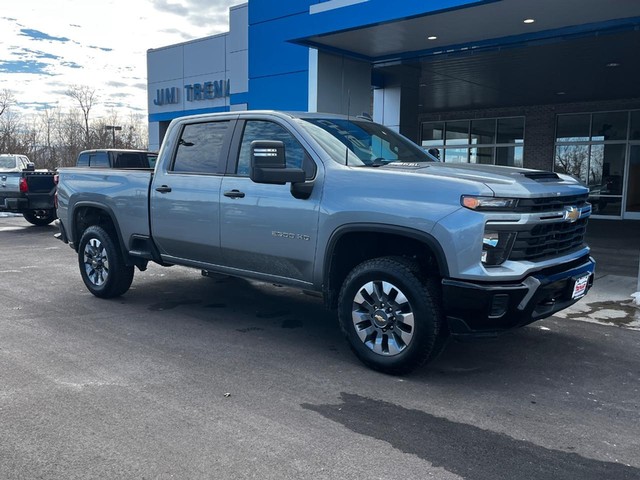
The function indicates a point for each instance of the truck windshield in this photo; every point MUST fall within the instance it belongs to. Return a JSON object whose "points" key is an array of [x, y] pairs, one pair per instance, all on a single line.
{"points": [[8, 163], [363, 143]]}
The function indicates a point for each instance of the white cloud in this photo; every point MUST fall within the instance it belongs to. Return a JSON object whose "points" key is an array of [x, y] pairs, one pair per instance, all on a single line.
{"points": [[46, 46]]}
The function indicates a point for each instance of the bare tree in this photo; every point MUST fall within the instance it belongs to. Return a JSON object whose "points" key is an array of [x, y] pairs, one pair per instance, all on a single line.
{"points": [[86, 97], [6, 100]]}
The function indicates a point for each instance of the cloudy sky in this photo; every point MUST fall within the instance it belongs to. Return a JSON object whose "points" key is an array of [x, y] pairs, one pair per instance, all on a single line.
{"points": [[46, 46]]}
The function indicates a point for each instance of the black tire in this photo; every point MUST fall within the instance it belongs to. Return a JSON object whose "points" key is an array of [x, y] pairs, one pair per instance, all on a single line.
{"points": [[102, 265], [40, 218], [390, 313]]}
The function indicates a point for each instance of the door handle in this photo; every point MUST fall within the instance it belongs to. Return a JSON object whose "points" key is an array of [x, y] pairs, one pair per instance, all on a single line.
{"points": [[163, 189], [234, 194]]}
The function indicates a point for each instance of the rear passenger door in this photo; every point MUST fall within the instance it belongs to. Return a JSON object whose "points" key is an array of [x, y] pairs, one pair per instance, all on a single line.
{"points": [[185, 194], [264, 228]]}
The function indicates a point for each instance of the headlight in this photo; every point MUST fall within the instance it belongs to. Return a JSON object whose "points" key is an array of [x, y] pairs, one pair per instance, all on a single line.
{"points": [[496, 246], [488, 203]]}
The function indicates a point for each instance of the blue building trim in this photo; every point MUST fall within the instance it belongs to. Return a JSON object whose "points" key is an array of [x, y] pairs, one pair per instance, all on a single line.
{"points": [[167, 116], [238, 98]]}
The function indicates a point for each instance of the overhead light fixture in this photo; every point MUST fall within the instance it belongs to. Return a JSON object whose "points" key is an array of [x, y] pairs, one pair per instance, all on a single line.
{"points": [[612, 65], [561, 93], [432, 37], [528, 20]]}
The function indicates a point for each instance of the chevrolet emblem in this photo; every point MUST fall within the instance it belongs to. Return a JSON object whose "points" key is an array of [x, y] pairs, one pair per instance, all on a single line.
{"points": [[571, 214]]}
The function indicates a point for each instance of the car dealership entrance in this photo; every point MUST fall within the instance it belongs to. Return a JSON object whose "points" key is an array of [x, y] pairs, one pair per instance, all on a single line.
{"points": [[545, 84]]}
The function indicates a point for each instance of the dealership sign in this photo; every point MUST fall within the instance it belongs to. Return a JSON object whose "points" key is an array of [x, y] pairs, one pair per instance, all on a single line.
{"points": [[194, 92]]}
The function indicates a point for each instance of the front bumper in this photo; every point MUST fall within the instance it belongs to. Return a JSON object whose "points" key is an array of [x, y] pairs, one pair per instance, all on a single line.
{"points": [[482, 309]]}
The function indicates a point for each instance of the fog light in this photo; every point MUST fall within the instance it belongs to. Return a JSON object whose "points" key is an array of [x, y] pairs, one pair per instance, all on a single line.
{"points": [[499, 305], [496, 246]]}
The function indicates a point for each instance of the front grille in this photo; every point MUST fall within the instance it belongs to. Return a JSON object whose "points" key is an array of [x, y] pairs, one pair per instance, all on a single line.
{"points": [[550, 204], [542, 241]]}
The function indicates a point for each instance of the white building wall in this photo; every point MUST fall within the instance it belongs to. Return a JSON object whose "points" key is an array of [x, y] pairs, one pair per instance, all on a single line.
{"points": [[221, 58]]}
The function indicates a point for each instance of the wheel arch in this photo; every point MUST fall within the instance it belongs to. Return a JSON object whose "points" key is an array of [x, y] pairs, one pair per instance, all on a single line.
{"points": [[352, 244], [86, 214]]}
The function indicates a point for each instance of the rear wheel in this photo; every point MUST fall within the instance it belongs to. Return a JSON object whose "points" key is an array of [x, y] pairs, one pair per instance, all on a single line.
{"points": [[391, 315], [40, 218], [102, 265]]}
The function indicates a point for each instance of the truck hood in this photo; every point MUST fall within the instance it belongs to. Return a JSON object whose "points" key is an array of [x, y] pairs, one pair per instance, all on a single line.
{"points": [[503, 181]]}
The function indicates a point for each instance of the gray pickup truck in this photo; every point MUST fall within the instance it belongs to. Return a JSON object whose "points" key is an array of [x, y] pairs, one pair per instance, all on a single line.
{"points": [[409, 250], [27, 191]]}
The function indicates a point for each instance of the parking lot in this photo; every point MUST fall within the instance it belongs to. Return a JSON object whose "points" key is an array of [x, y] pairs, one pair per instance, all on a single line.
{"points": [[193, 377]]}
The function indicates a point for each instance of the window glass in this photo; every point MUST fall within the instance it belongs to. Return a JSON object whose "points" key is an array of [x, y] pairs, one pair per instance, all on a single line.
{"points": [[200, 147], [99, 160], [609, 126], [510, 130], [482, 155], [483, 132], [635, 125], [457, 155], [263, 130], [572, 160], [457, 133], [509, 156], [432, 134], [573, 128], [606, 168], [83, 160]]}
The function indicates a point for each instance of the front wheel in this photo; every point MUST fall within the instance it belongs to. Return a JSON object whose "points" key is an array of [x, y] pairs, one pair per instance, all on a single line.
{"points": [[391, 315], [102, 265], [40, 218]]}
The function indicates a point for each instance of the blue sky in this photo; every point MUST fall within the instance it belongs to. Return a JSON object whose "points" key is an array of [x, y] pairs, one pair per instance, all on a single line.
{"points": [[46, 46]]}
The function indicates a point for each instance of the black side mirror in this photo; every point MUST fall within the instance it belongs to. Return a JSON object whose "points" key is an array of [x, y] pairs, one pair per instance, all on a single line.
{"points": [[269, 165], [30, 167]]}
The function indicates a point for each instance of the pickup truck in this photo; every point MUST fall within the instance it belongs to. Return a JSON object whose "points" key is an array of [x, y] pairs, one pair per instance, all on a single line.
{"points": [[409, 250], [26, 191], [116, 158]]}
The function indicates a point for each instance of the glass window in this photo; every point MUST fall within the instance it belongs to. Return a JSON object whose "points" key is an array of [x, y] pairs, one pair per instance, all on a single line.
{"points": [[483, 132], [509, 156], [458, 155], [482, 155], [633, 188], [200, 147], [510, 130], [457, 133], [606, 168], [609, 126], [572, 160], [573, 128], [263, 130], [99, 160], [479, 137], [635, 125], [432, 134]]}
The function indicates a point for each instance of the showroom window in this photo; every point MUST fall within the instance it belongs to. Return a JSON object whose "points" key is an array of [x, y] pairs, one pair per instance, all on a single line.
{"points": [[592, 147], [493, 141]]}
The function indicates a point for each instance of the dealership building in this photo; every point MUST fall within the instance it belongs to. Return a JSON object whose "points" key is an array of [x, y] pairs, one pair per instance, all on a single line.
{"points": [[543, 84]]}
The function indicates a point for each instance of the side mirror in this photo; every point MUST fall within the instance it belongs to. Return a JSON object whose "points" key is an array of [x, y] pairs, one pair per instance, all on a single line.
{"points": [[269, 165], [30, 167]]}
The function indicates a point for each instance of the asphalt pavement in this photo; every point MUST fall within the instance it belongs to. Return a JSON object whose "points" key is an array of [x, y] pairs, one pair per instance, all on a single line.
{"points": [[220, 378]]}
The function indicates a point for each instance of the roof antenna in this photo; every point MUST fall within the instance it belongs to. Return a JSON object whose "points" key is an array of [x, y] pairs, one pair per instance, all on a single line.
{"points": [[346, 152]]}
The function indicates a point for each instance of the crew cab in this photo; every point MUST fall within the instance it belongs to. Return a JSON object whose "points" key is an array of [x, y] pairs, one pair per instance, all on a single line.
{"points": [[409, 250]]}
